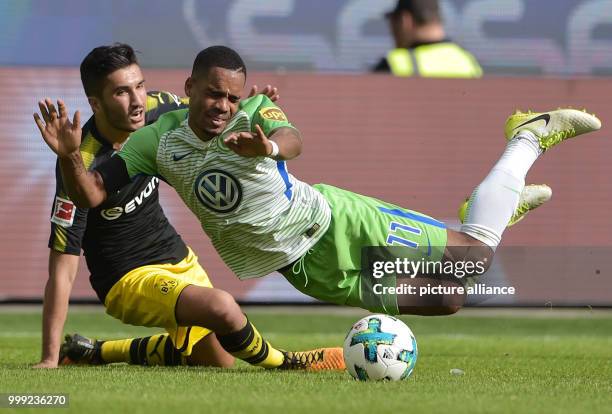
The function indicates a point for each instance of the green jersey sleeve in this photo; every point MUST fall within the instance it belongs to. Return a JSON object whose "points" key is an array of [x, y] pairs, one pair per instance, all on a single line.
{"points": [[140, 150], [265, 113]]}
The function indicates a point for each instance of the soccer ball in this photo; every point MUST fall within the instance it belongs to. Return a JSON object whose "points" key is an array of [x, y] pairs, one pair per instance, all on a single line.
{"points": [[380, 347]]}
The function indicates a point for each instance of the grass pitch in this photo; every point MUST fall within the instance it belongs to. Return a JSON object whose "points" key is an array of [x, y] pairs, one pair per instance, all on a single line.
{"points": [[513, 362]]}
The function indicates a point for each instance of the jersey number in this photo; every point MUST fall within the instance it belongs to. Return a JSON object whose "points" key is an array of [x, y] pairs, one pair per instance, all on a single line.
{"points": [[398, 232]]}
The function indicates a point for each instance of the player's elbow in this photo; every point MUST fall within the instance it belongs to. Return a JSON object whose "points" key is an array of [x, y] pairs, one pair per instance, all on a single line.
{"points": [[289, 141], [295, 150], [296, 144]]}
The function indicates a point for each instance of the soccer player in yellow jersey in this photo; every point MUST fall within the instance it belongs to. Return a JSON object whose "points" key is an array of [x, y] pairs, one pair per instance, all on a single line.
{"points": [[140, 268]]}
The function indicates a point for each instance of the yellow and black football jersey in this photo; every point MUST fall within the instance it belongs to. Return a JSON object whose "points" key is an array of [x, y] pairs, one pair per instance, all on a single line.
{"points": [[129, 229]]}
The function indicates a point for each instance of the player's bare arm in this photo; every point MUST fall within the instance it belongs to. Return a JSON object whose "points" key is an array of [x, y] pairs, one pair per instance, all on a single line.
{"points": [[287, 140], [63, 136], [62, 273]]}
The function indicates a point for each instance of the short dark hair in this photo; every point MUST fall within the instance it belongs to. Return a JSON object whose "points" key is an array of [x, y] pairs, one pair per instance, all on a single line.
{"points": [[217, 57], [423, 11], [101, 62]]}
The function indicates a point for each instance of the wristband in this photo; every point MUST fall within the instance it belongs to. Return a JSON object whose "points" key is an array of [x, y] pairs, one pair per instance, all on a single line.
{"points": [[275, 149]]}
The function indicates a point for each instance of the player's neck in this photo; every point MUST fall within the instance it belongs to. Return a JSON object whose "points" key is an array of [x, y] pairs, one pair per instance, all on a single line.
{"points": [[113, 135], [203, 136]]}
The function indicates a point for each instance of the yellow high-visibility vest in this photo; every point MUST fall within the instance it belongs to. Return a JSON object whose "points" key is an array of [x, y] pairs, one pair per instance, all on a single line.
{"points": [[436, 60]]}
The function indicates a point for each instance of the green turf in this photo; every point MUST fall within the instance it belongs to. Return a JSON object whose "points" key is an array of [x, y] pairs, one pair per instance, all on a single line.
{"points": [[512, 364]]}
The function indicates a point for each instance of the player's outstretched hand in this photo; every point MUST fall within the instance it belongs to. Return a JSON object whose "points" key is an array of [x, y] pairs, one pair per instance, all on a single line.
{"points": [[248, 144], [61, 135], [269, 91]]}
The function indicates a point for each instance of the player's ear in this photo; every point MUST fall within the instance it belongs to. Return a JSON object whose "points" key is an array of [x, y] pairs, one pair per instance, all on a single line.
{"points": [[188, 86]]}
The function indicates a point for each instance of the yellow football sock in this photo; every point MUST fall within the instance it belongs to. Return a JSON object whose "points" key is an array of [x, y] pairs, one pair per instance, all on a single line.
{"points": [[116, 351], [150, 350], [248, 344]]}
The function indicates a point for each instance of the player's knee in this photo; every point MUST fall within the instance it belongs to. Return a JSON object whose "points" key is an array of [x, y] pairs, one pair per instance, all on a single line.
{"points": [[475, 261], [480, 258], [449, 309], [486, 262], [474, 256], [225, 311], [450, 305]]}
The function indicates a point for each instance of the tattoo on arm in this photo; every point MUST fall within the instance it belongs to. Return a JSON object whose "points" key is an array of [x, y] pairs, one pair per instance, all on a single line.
{"points": [[77, 165], [85, 188]]}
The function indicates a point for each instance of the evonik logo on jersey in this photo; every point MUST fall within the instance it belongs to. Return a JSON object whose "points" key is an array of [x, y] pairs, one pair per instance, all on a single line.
{"points": [[114, 213]]}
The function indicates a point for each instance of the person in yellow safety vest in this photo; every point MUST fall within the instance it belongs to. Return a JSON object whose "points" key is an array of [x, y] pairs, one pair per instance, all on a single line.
{"points": [[422, 48]]}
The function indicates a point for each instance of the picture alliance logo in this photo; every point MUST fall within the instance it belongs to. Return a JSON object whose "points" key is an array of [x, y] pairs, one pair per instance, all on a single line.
{"points": [[114, 213]]}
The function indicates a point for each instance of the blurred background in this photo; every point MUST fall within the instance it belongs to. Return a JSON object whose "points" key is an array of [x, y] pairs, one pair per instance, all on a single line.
{"points": [[421, 143], [509, 37]]}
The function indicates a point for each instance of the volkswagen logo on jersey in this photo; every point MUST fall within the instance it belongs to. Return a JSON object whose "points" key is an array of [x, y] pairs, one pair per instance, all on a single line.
{"points": [[218, 190]]}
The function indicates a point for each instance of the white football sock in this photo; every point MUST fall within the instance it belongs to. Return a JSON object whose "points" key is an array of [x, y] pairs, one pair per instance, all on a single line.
{"points": [[494, 201]]}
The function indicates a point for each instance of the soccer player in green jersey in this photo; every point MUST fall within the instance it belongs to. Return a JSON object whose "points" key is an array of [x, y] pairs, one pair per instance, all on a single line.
{"points": [[227, 161], [140, 267]]}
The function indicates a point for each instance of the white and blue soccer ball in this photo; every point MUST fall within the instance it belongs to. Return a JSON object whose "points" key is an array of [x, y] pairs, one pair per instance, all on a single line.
{"points": [[380, 347]]}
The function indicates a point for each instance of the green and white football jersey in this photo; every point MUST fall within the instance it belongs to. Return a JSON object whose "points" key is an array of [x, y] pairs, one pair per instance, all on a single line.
{"points": [[258, 216]]}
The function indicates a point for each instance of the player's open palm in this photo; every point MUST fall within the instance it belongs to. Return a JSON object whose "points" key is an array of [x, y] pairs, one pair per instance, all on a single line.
{"points": [[249, 144], [270, 91], [60, 134]]}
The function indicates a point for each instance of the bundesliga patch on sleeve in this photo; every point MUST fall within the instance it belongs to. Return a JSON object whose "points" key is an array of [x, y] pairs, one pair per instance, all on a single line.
{"points": [[272, 114], [63, 212]]}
